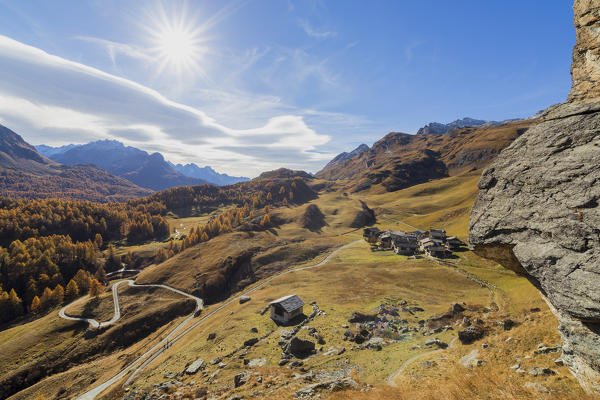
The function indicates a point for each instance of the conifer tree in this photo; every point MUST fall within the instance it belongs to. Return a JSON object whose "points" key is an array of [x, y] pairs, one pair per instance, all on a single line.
{"points": [[58, 294], [36, 305], [98, 240], [96, 288], [46, 298], [72, 290], [100, 274], [15, 303]]}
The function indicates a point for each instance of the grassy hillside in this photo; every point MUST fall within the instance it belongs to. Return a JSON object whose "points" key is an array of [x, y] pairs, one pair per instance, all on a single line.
{"points": [[355, 279]]}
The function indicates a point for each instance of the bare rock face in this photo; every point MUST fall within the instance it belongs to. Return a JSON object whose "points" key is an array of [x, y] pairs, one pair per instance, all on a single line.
{"points": [[538, 209], [585, 68]]}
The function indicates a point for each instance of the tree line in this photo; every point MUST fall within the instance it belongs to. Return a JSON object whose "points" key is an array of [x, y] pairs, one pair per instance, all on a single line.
{"points": [[81, 220]]}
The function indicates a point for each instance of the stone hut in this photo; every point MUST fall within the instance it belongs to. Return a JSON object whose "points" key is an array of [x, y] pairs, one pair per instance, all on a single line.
{"points": [[286, 308], [405, 244], [433, 247], [453, 243], [371, 234], [438, 234]]}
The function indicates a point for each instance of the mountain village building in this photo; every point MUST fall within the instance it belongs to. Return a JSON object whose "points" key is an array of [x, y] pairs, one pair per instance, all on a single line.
{"points": [[285, 309]]}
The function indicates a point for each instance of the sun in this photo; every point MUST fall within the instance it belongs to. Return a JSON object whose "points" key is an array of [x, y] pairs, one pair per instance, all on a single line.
{"points": [[178, 42], [178, 47]]}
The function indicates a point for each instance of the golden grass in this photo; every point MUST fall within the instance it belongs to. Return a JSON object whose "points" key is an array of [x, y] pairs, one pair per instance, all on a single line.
{"points": [[481, 384]]}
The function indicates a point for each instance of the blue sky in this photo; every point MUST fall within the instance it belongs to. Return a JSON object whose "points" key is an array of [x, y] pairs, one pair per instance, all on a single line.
{"points": [[246, 86]]}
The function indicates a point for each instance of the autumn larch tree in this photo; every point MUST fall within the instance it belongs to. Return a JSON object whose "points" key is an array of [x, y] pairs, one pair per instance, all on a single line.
{"points": [[58, 294], [96, 288], [36, 305], [72, 290]]}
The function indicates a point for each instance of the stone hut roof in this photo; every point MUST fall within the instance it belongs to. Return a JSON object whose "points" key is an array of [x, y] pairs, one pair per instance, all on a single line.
{"points": [[288, 303]]}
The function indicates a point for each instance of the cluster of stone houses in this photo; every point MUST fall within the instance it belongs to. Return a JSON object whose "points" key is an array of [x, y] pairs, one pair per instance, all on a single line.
{"points": [[433, 242]]}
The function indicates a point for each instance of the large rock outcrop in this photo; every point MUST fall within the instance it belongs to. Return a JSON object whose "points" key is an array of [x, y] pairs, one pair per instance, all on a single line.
{"points": [[538, 209], [585, 68]]}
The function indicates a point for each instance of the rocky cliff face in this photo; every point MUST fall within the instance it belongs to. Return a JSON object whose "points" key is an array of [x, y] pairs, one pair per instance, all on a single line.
{"points": [[585, 68], [538, 209]]}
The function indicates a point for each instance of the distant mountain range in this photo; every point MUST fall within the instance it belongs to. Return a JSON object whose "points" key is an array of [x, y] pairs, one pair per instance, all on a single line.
{"points": [[208, 174], [25, 173], [146, 170], [436, 128]]}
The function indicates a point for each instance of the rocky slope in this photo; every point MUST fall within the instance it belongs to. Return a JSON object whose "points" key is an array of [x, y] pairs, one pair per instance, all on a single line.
{"points": [[538, 208], [436, 128], [400, 160]]}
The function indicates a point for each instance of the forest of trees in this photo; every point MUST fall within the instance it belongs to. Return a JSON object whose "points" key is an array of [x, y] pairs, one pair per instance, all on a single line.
{"points": [[202, 199], [42, 272], [51, 248], [81, 220]]}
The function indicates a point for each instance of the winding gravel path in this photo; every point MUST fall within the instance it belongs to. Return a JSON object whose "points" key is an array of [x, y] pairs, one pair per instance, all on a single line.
{"points": [[176, 334], [117, 310]]}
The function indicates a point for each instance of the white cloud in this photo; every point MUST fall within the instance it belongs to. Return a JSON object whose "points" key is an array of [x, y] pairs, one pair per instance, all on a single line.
{"points": [[315, 33], [41, 94]]}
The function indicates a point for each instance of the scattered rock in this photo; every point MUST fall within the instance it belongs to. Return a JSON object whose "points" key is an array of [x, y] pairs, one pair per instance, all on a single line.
{"points": [[299, 347], [283, 361], [437, 342], [255, 330], [537, 387], [244, 299], [211, 336], [507, 324], [240, 379], [542, 349], [257, 362], [215, 360], [334, 351], [358, 317], [456, 308], [311, 391], [538, 371], [470, 360], [250, 342], [559, 362], [296, 363], [195, 366], [470, 334], [535, 309]]}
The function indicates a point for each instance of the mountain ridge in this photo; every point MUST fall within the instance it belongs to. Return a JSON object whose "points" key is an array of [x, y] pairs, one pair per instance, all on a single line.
{"points": [[146, 170], [207, 173], [437, 128], [130, 160], [399, 160], [25, 173]]}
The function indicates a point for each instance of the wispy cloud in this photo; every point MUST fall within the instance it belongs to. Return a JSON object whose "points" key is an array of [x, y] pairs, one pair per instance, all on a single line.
{"points": [[314, 32], [115, 48], [44, 96]]}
